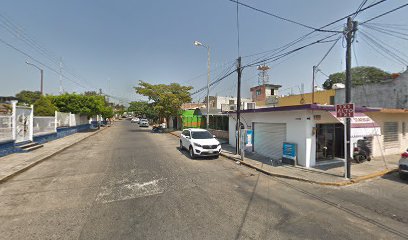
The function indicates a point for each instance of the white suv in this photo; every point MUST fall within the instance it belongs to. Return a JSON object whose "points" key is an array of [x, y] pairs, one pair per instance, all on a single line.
{"points": [[199, 142], [143, 123]]}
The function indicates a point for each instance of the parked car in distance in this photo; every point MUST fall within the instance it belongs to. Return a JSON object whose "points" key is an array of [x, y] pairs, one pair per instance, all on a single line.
{"points": [[403, 165], [135, 120], [199, 142], [143, 123]]}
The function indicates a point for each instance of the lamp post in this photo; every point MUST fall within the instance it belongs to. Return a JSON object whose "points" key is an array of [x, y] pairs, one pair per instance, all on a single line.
{"points": [[42, 76], [198, 44]]}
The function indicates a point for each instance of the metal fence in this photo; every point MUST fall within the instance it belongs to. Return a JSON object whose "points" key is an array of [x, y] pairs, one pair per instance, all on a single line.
{"points": [[43, 125], [6, 129]]}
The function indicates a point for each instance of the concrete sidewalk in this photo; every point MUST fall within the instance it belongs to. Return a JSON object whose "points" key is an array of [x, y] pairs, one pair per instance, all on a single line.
{"points": [[327, 174], [16, 163]]}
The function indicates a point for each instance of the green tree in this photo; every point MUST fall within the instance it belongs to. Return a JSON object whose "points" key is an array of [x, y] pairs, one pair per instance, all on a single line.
{"points": [[77, 103], [359, 76], [28, 97], [107, 112], [44, 107], [166, 99], [143, 108]]}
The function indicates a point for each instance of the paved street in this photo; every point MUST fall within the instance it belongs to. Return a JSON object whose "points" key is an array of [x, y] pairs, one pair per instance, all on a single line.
{"points": [[127, 183]]}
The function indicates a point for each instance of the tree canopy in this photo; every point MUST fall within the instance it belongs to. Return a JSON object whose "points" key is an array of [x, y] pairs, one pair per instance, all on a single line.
{"points": [[89, 105], [166, 99], [28, 97], [359, 76], [143, 109], [44, 107]]}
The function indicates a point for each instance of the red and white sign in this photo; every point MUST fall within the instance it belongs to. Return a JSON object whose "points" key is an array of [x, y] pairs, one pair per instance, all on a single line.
{"points": [[345, 110]]}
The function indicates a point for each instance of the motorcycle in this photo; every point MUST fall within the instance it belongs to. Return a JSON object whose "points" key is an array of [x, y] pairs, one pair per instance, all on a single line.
{"points": [[361, 152], [157, 129]]}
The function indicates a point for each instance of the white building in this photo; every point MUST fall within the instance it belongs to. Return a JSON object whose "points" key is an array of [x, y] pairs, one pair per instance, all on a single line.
{"points": [[318, 134]]}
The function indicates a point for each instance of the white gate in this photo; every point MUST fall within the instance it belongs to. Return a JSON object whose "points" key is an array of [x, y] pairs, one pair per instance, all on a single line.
{"points": [[22, 118]]}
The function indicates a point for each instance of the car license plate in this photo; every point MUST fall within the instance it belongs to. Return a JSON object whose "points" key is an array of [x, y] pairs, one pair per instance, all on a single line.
{"points": [[210, 151]]}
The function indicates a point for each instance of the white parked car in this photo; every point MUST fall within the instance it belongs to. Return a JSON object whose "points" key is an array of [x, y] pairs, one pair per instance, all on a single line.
{"points": [[403, 165], [135, 120], [143, 123], [199, 142]]}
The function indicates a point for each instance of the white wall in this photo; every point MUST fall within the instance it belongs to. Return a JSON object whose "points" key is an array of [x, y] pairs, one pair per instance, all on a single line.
{"points": [[378, 143], [225, 100], [298, 130]]}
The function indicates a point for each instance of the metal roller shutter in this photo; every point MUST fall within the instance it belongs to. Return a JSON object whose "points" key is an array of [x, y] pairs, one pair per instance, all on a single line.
{"points": [[269, 138], [391, 138]]}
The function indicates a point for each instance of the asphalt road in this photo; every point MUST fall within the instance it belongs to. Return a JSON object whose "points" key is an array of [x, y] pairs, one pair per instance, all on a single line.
{"points": [[128, 183]]}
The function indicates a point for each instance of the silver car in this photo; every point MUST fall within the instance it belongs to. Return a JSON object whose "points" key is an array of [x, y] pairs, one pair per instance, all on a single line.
{"points": [[403, 165]]}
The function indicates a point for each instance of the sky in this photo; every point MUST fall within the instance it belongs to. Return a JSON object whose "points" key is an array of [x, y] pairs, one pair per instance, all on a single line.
{"points": [[112, 45]]}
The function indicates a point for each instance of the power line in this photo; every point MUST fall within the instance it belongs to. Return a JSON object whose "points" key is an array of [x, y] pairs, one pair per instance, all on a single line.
{"points": [[39, 62], [388, 32], [383, 49], [277, 57], [386, 44], [278, 17], [359, 8], [383, 14], [19, 32], [327, 53], [292, 43]]}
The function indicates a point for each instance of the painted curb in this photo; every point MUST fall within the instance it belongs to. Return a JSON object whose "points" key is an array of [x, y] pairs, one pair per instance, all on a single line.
{"points": [[8, 177], [337, 184]]}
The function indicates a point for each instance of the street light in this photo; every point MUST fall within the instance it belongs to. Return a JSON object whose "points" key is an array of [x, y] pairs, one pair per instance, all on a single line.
{"points": [[42, 76], [199, 44]]}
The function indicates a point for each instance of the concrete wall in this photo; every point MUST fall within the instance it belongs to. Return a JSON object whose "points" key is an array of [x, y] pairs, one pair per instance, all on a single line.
{"points": [[299, 130], [391, 94], [220, 134], [11, 147], [321, 97]]}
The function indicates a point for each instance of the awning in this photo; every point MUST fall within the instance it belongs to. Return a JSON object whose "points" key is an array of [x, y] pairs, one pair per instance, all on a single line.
{"points": [[361, 125]]}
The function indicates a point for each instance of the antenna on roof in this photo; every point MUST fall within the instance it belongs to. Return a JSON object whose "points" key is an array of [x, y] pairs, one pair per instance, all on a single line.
{"points": [[263, 76]]}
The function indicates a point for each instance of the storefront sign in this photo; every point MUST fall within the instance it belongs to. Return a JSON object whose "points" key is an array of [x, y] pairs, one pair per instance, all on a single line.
{"points": [[289, 153], [345, 110]]}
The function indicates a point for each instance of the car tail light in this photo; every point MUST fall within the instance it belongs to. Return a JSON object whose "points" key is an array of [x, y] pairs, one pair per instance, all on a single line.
{"points": [[404, 155], [356, 149]]}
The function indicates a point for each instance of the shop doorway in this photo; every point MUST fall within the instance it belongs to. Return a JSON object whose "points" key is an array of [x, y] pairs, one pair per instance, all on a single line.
{"points": [[329, 141]]}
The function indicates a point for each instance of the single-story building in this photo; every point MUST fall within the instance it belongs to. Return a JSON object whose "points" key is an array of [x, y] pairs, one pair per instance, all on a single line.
{"points": [[319, 134]]}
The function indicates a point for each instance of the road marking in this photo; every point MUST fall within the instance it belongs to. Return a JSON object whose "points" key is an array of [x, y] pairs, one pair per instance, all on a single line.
{"points": [[113, 193]]}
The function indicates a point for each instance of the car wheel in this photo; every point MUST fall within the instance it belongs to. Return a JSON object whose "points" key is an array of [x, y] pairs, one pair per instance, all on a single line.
{"points": [[181, 146], [403, 176], [192, 154]]}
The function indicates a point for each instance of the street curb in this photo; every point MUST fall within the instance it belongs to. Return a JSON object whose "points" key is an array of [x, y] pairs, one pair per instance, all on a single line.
{"points": [[337, 184], [6, 178]]}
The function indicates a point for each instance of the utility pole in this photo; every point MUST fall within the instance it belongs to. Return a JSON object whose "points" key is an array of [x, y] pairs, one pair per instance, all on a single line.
{"points": [[313, 86], [350, 30], [61, 91], [41, 76], [208, 87], [42, 81], [238, 125]]}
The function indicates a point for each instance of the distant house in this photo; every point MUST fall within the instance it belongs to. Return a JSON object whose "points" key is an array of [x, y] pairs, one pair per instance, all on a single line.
{"points": [[7, 99]]}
